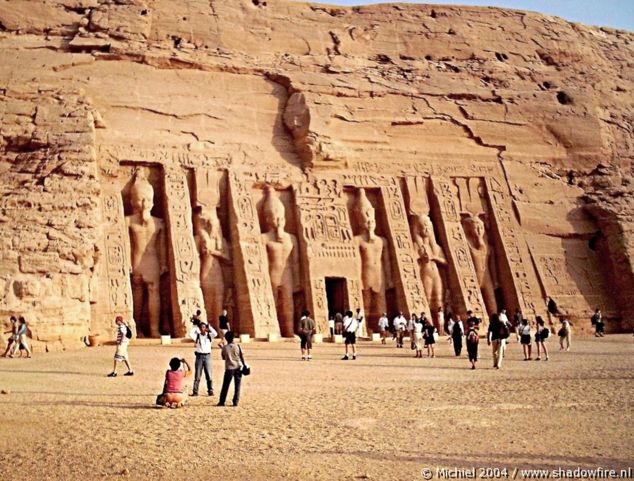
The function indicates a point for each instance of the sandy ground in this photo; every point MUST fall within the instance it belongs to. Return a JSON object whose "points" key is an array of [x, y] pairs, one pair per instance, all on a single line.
{"points": [[384, 416]]}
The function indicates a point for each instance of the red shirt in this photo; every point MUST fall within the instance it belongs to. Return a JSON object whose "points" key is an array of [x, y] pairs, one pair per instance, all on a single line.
{"points": [[174, 381]]}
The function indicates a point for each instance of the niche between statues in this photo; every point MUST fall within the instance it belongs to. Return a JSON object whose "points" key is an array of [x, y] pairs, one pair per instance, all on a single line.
{"points": [[144, 204], [279, 235], [370, 230]]}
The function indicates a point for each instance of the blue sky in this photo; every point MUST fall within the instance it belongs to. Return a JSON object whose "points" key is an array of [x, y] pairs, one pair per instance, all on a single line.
{"points": [[610, 13]]}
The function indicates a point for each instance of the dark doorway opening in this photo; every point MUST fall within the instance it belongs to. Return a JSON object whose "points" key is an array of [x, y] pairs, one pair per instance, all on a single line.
{"points": [[337, 295]]}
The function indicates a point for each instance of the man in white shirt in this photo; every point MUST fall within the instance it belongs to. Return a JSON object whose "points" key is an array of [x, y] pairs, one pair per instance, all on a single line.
{"points": [[350, 326], [399, 328], [383, 325], [202, 336]]}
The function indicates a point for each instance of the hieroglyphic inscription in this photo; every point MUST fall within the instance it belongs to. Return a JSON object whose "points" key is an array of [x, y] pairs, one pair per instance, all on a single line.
{"points": [[256, 303], [408, 282], [165, 155], [462, 276], [117, 263], [185, 260], [513, 245]]}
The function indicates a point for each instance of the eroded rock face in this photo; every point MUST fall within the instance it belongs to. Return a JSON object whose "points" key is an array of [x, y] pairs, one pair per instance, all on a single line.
{"points": [[517, 121]]}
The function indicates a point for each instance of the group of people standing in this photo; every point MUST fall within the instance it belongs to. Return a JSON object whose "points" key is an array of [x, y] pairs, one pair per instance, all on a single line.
{"points": [[18, 341]]}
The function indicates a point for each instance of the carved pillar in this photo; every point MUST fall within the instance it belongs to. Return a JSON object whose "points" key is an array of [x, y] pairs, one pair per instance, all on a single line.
{"points": [[184, 261], [406, 274], [463, 281], [253, 286], [116, 259], [514, 249]]}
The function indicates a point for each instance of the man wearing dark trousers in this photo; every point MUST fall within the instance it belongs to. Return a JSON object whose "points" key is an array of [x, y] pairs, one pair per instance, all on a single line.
{"points": [[203, 336]]}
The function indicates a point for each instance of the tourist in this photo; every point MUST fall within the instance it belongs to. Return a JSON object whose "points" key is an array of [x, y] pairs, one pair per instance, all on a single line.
{"points": [[472, 344], [565, 334], [13, 339], [542, 333], [331, 326], [223, 323], [418, 337], [359, 315], [597, 322], [473, 319], [525, 339], [350, 326], [383, 326], [234, 364], [449, 326], [456, 336], [497, 335], [399, 328], [306, 331], [428, 334], [502, 316], [174, 394], [517, 322], [203, 336], [23, 338], [338, 323], [124, 334], [410, 330]]}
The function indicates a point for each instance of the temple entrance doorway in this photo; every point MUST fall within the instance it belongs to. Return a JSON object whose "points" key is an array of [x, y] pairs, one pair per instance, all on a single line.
{"points": [[337, 295]]}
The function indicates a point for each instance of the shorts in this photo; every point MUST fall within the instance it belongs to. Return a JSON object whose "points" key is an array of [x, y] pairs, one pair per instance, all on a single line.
{"points": [[525, 339], [121, 354], [306, 340], [351, 338]]}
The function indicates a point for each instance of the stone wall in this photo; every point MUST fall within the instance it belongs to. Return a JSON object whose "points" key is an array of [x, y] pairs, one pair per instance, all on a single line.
{"points": [[475, 158]]}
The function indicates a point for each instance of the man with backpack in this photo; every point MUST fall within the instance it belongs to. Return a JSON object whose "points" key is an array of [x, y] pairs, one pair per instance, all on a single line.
{"points": [[202, 336], [497, 335], [124, 334]]}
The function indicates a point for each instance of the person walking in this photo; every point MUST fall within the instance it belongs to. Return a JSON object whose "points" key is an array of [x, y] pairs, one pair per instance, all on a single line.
{"points": [[497, 335], [223, 323], [517, 322], [338, 323], [123, 335], [597, 322], [525, 339], [384, 323], [449, 326], [331, 326], [473, 339], [428, 334], [13, 343], [418, 337], [234, 363], [565, 334], [399, 329], [174, 395], [23, 338], [350, 326], [203, 336], [410, 330], [306, 331], [456, 336], [542, 333]]}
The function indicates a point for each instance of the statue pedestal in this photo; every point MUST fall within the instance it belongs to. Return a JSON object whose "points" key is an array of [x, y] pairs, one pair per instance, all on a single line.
{"points": [[273, 337], [338, 339], [245, 338], [376, 337], [166, 340], [318, 338]]}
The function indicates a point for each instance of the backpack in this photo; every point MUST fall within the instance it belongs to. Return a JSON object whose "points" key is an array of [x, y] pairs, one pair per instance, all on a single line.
{"points": [[472, 337], [545, 333], [504, 332], [128, 332]]}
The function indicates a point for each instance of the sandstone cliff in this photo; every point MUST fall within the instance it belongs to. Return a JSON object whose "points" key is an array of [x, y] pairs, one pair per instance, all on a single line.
{"points": [[291, 89]]}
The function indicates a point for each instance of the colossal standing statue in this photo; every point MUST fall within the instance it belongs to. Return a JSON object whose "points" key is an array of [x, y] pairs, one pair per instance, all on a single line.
{"points": [[430, 256], [376, 270], [147, 242], [213, 249], [483, 259], [283, 256]]}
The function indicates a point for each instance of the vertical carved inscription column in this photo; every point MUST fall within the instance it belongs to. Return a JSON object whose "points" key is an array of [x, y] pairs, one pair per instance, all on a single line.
{"points": [[406, 273], [184, 261], [463, 281], [250, 265], [515, 251], [117, 256]]}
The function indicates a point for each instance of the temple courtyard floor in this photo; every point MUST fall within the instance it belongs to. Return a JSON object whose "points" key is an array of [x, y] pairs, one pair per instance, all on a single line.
{"points": [[385, 416]]}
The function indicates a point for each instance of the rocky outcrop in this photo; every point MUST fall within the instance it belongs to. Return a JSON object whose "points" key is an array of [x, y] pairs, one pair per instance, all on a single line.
{"points": [[278, 93]]}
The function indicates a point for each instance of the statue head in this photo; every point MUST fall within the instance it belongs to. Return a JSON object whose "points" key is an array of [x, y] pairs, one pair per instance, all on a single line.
{"points": [[142, 196], [425, 226], [475, 230], [207, 219], [274, 213], [366, 213]]}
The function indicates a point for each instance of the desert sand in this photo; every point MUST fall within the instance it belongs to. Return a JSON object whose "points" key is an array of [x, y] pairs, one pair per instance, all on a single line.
{"points": [[384, 416]]}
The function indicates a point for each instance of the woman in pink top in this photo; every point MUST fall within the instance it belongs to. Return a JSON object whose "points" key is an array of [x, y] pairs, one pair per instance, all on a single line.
{"points": [[174, 394]]}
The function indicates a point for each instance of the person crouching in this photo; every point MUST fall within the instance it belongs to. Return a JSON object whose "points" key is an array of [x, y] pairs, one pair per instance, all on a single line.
{"points": [[174, 394]]}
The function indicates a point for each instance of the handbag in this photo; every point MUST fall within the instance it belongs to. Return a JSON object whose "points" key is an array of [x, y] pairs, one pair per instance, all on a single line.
{"points": [[245, 370]]}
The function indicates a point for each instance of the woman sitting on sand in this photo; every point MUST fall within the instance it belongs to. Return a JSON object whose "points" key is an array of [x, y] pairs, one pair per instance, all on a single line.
{"points": [[174, 394]]}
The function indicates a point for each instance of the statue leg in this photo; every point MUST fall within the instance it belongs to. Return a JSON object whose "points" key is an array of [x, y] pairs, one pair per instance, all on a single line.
{"points": [[137, 302], [154, 308], [285, 311], [488, 295]]}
